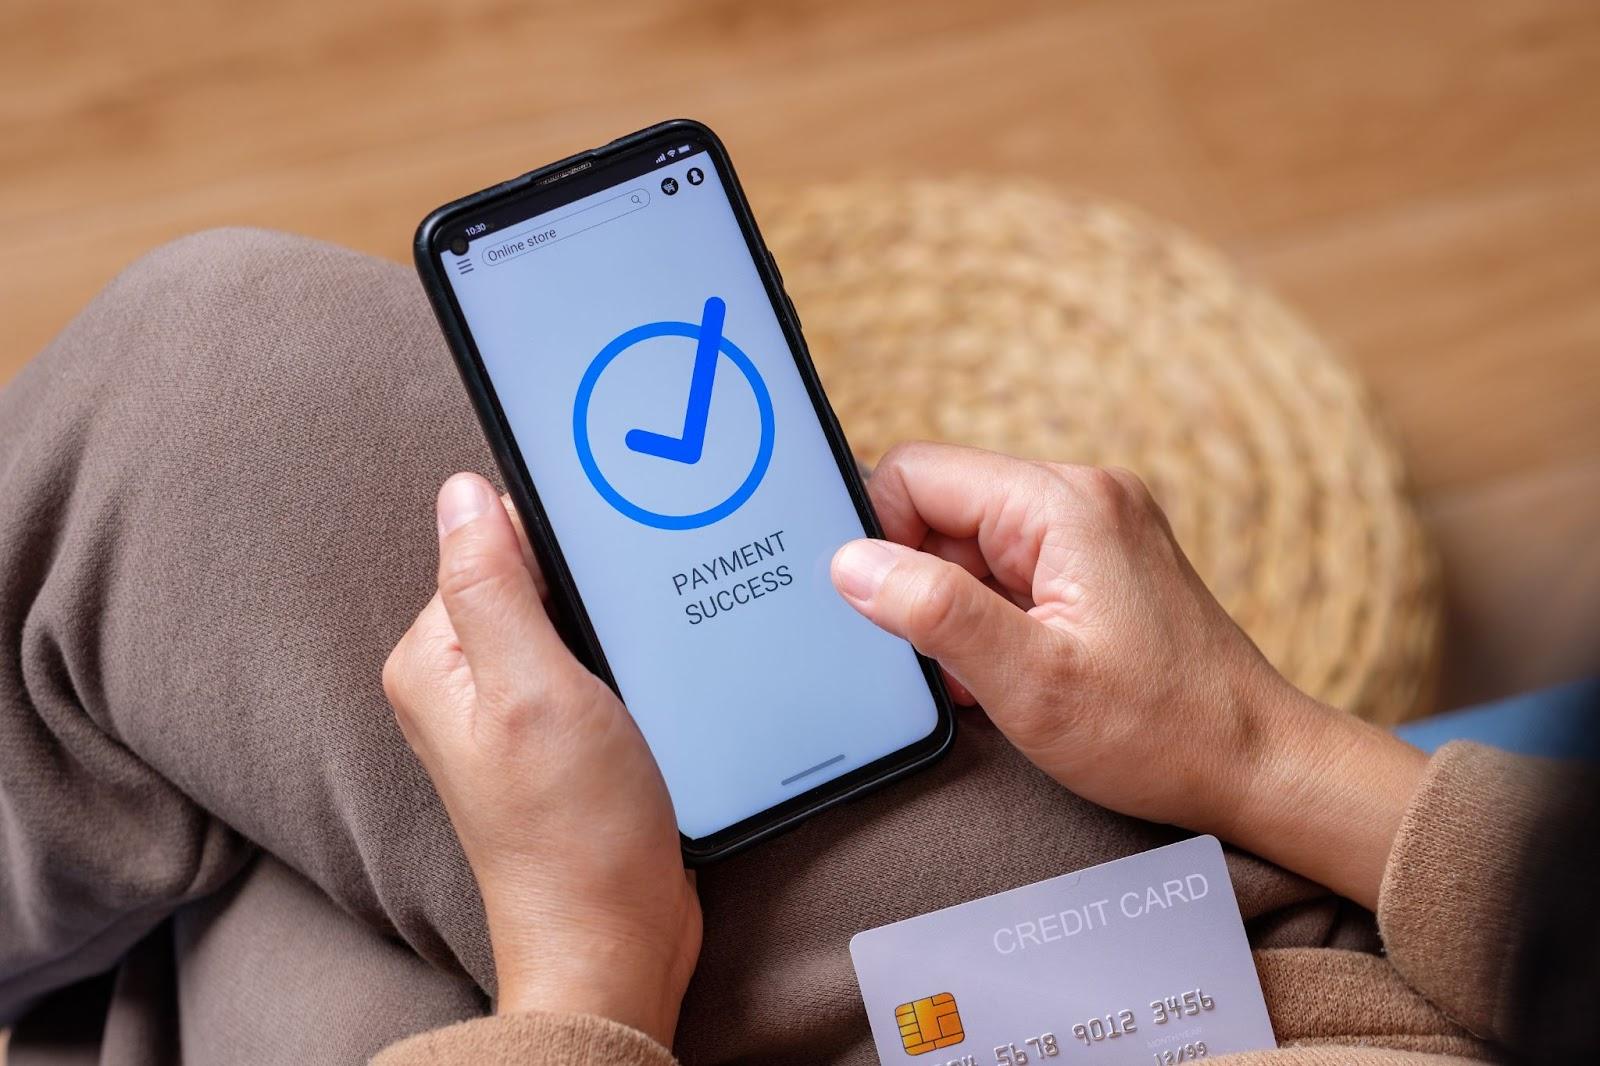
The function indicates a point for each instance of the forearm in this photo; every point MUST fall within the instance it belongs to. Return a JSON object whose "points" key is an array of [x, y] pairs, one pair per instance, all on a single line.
{"points": [[1320, 792]]}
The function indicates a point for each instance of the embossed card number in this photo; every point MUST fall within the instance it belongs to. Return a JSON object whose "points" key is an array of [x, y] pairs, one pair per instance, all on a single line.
{"points": [[1039, 970]]}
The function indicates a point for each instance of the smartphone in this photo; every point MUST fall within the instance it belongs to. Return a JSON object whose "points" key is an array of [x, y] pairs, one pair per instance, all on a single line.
{"points": [[640, 374]]}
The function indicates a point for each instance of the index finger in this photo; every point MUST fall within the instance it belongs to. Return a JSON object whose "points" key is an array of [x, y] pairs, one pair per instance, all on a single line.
{"points": [[1001, 502]]}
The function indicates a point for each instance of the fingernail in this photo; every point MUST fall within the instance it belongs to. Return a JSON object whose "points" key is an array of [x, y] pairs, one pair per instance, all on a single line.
{"points": [[861, 566], [462, 499]]}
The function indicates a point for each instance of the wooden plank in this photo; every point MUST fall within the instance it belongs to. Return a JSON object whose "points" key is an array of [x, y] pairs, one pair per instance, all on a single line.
{"points": [[1308, 110], [275, 124], [1474, 318]]}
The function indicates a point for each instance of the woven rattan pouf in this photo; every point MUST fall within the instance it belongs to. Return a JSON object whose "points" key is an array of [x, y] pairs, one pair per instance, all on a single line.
{"points": [[1061, 327]]}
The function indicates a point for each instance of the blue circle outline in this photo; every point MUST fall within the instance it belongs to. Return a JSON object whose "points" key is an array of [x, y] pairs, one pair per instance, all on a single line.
{"points": [[580, 428]]}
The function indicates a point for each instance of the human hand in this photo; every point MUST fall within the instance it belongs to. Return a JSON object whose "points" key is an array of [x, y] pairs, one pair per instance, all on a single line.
{"points": [[559, 805], [1057, 598]]}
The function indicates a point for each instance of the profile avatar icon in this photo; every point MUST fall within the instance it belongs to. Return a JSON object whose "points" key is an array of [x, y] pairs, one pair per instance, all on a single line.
{"points": [[696, 175]]}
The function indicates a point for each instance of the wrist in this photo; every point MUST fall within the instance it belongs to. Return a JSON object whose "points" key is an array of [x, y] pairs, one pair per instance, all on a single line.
{"points": [[602, 979], [1319, 791], [1280, 730]]}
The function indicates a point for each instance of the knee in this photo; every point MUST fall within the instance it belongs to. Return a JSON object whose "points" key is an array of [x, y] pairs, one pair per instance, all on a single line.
{"points": [[258, 300], [215, 276], [241, 359], [215, 264], [238, 326]]}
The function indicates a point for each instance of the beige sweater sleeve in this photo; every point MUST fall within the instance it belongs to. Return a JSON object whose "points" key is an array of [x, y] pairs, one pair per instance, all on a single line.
{"points": [[535, 1038], [1450, 899]]}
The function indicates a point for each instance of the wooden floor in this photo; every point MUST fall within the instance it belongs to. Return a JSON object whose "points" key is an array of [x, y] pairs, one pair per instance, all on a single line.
{"points": [[1422, 178]]}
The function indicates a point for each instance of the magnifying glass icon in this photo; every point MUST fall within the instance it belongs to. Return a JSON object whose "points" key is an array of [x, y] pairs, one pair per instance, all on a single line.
{"points": [[636, 199]]}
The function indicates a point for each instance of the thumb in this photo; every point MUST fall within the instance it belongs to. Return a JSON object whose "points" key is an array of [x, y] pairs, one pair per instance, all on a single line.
{"points": [[983, 640], [487, 588]]}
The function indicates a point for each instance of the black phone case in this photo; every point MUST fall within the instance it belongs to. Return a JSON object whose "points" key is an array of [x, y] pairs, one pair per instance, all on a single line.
{"points": [[570, 616]]}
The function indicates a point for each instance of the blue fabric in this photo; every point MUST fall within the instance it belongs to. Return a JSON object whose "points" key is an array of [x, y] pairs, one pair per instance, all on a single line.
{"points": [[1561, 722]]}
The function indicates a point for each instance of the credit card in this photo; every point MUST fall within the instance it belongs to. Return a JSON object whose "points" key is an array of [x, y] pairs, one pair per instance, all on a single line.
{"points": [[1138, 961]]}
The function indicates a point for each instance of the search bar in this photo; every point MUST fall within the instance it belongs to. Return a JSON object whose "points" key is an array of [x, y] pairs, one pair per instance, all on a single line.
{"points": [[517, 242]]}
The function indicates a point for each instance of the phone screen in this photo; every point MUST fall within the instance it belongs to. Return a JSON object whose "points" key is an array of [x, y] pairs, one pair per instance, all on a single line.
{"points": [[666, 426]]}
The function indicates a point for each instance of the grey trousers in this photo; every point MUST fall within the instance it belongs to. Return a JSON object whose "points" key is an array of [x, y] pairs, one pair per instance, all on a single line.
{"points": [[217, 489]]}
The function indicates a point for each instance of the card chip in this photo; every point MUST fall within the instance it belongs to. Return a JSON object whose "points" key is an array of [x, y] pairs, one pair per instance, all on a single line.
{"points": [[928, 1024]]}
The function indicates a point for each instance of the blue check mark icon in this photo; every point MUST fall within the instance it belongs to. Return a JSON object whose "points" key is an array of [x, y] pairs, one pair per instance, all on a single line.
{"points": [[689, 445]]}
